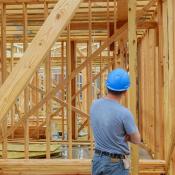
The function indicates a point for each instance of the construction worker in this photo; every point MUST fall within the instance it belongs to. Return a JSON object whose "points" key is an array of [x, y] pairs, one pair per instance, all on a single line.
{"points": [[113, 126]]}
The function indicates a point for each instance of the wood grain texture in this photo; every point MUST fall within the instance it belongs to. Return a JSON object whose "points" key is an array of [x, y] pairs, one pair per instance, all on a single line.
{"points": [[132, 42], [36, 52], [69, 167]]}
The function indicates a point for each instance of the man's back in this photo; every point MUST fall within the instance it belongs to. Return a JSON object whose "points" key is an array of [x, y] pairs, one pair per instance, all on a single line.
{"points": [[111, 122]]}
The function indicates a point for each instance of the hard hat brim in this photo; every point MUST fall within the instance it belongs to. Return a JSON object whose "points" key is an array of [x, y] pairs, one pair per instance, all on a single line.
{"points": [[119, 90]]}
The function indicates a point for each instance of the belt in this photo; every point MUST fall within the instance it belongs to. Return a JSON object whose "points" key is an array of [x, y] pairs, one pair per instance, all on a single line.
{"points": [[112, 155]]}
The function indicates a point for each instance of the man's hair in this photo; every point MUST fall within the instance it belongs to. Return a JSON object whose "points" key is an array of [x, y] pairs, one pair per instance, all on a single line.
{"points": [[116, 93]]}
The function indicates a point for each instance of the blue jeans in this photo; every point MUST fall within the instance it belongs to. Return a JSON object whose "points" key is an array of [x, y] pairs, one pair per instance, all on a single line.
{"points": [[103, 165]]}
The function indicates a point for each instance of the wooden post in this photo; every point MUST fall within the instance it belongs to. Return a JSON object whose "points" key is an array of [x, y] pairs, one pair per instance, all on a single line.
{"points": [[1, 49], [108, 35], [89, 76], [133, 73], [4, 74], [150, 89], [69, 92], [62, 79], [26, 91], [12, 57], [36, 100], [122, 56], [84, 79], [13, 109], [172, 86], [170, 134], [173, 99], [73, 88], [102, 78], [145, 107], [142, 86], [163, 12], [159, 111], [115, 29], [140, 89], [5, 139], [121, 62], [48, 105], [48, 84], [3, 43]]}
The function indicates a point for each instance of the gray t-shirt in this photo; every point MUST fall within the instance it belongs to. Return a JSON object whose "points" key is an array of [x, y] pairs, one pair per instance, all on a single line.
{"points": [[110, 123]]}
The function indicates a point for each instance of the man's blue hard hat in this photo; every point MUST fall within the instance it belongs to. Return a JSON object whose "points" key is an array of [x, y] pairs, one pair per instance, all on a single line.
{"points": [[118, 80]]}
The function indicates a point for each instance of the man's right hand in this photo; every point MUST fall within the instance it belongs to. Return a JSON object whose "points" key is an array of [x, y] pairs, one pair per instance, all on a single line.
{"points": [[127, 138]]}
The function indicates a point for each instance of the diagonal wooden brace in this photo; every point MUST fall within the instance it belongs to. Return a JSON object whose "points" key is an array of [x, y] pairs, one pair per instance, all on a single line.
{"points": [[36, 52]]}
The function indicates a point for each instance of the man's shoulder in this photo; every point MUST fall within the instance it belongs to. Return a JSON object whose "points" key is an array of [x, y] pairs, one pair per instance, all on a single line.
{"points": [[124, 110]]}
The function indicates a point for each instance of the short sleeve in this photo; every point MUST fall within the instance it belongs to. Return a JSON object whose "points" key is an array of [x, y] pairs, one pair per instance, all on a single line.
{"points": [[129, 123]]}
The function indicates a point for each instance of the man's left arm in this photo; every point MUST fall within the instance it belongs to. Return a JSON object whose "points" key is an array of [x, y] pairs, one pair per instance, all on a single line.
{"points": [[132, 132]]}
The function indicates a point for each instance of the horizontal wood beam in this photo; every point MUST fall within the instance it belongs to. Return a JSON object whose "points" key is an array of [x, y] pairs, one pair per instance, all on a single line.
{"points": [[36, 53], [95, 26], [102, 25], [39, 1], [69, 167]]}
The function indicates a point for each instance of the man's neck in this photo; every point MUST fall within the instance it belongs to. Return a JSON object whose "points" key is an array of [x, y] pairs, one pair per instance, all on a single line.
{"points": [[113, 97]]}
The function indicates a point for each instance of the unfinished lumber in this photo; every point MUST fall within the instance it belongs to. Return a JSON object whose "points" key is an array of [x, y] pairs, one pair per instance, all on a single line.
{"points": [[26, 91], [172, 99], [116, 36], [36, 52], [69, 167], [108, 35], [4, 72], [132, 41], [89, 77], [159, 90], [142, 87], [3, 42], [4, 140], [62, 92], [13, 107], [69, 92], [101, 75], [115, 29], [170, 134], [73, 88], [84, 82], [48, 83]]}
